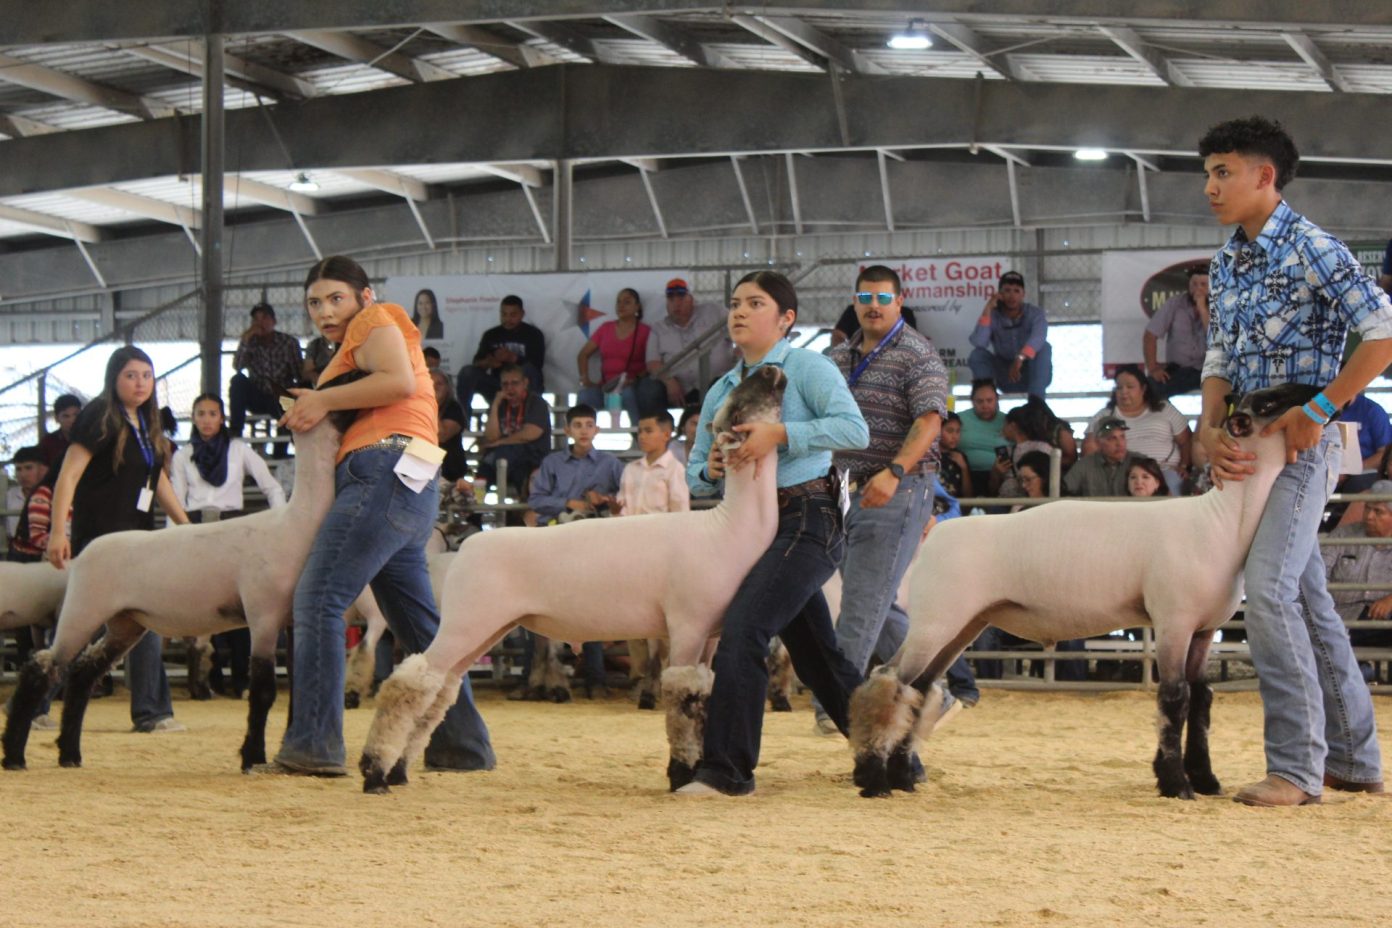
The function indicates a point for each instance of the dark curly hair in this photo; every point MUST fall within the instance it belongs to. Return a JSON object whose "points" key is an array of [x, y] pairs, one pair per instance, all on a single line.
{"points": [[1254, 136]]}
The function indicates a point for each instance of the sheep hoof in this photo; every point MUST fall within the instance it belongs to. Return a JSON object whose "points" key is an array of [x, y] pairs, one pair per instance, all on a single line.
{"points": [[679, 774], [351, 700], [374, 777], [13, 764], [647, 701], [200, 693], [1206, 784], [558, 694], [872, 776], [778, 702], [375, 789], [69, 762], [397, 776], [901, 772]]}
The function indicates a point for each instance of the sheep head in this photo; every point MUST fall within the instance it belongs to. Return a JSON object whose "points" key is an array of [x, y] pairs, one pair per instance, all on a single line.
{"points": [[1253, 411], [757, 398]]}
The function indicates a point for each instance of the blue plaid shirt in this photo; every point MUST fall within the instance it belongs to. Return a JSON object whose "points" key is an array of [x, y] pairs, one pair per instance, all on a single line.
{"points": [[1282, 305], [819, 413]]}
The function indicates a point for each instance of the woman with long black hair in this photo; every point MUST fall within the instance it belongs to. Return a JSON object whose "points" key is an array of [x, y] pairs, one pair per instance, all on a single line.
{"points": [[112, 475]]}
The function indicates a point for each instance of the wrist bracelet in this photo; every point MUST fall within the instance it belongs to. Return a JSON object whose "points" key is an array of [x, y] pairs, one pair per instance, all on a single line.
{"points": [[1324, 405], [1313, 416]]}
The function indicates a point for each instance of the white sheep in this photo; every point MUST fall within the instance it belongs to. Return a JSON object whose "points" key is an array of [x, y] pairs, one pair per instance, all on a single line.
{"points": [[1072, 569], [188, 581], [595, 580], [30, 594]]}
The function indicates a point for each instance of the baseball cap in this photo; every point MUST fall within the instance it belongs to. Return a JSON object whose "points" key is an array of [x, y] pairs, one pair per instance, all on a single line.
{"points": [[1011, 277], [1111, 424], [676, 287], [1380, 487]]}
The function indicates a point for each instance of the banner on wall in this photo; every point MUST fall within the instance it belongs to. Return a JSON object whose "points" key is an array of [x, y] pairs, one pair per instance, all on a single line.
{"points": [[947, 296], [567, 307], [1134, 285]]}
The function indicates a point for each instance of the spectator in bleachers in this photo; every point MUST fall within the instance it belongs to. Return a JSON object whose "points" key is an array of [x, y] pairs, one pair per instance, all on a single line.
{"points": [[1364, 564], [207, 475], [512, 341], [518, 430], [29, 537], [1009, 342], [1028, 428], [1374, 432], [1102, 472], [580, 480], [953, 471], [1144, 478], [849, 324], [622, 344], [673, 334], [1032, 476], [1183, 323], [111, 475], [273, 363], [53, 445], [982, 432], [426, 316], [1155, 428], [451, 426], [432, 359], [686, 433]]}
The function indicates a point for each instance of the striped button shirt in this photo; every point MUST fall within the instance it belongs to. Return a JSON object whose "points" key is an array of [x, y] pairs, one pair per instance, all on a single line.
{"points": [[904, 381], [1282, 305]]}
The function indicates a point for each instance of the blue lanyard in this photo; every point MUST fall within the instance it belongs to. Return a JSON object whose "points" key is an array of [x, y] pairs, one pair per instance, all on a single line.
{"points": [[147, 449], [854, 376]]}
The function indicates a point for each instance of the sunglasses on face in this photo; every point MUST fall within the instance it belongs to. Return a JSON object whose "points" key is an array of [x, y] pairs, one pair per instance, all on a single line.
{"points": [[865, 298]]}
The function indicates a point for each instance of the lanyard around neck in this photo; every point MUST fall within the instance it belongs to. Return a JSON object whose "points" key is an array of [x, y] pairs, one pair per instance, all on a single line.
{"points": [[854, 376]]}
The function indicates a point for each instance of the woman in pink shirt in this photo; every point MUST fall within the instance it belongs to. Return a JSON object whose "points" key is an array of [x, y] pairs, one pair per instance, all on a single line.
{"points": [[623, 347]]}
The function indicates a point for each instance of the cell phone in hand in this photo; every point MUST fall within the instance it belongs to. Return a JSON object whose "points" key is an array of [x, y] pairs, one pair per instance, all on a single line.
{"points": [[1002, 452]]}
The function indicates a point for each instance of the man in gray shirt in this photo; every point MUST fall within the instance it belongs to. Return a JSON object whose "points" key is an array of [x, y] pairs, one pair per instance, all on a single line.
{"points": [[684, 322], [1363, 564], [1102, 473], [1182, 321]]}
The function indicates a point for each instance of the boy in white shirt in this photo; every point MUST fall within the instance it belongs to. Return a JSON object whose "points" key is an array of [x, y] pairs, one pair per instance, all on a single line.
{"points": [[656, 482]]}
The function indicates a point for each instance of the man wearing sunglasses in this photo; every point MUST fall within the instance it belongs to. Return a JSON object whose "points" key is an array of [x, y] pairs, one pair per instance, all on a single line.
{"points": [[900, 385], [1008, 342]]}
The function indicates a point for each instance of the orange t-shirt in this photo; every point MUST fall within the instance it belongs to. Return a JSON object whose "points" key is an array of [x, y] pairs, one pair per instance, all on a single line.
{"points": [[417, 415]]}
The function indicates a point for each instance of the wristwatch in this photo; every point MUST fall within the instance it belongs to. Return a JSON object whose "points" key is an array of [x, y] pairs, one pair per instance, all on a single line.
{"points": [[896, 469]]}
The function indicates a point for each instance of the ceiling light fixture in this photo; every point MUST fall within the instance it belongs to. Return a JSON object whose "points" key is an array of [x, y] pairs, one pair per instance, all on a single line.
{"points": [[915, 38], [303, 183], [1091, 154]]}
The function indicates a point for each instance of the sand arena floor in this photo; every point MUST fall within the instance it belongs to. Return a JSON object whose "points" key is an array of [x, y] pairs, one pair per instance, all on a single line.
{"points": [[1040, 810]]}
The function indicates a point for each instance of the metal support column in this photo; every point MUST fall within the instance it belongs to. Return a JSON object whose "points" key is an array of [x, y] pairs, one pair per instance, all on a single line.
{"points": [[210, 341], [561, 215]]}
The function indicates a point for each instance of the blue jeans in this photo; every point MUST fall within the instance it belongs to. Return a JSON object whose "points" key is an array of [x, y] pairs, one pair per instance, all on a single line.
{"points": [[880, 543], [1182, 380], [148, 683], [782, 595], [1318, 712], [376, 531], [643, 398], [1035, 376]]}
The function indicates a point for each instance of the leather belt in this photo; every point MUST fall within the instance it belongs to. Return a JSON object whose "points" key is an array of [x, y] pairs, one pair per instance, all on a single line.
{"points": [[818, 486], [858, 483], [390, 443]]}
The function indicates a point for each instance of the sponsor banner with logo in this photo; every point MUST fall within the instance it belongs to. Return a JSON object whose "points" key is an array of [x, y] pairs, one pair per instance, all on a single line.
{"points": [[947, 296], [1134, 285], [567, 307]]}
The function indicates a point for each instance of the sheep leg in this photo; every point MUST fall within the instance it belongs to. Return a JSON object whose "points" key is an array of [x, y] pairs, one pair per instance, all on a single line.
{"points": [[198, 653], [408, 694], [685, 691], [1169, 764], [425, 727], [261, 695], [651, 684], [780, 667], [553, 683], [35, 677], [1197, 763], [358, 679], [883, 714], [122, 633]]}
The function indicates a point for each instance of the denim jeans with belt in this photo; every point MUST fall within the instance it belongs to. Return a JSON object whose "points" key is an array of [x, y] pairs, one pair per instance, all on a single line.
{"points": [[782, 595], [375, 532], [1318, 711], [880, 543]]}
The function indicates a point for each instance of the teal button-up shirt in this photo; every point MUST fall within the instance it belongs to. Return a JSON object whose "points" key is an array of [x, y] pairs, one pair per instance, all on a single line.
{"points": [[819, 413]]}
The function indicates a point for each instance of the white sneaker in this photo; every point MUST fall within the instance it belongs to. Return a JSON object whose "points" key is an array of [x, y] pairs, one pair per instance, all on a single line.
{"points": [[826, 727], [166, 726], [43, 723], [698, 790]]}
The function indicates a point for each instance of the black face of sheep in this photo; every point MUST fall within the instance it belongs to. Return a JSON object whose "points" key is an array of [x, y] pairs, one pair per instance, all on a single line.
{"points": [[757, 398], [1265, 405]]}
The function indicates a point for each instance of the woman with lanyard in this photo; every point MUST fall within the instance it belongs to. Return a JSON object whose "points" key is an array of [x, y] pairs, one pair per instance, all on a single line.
{"points": [[385, 506], [207, 476], [782, 595], [112, 474]]}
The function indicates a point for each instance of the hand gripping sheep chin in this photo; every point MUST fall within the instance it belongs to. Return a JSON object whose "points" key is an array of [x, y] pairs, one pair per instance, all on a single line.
{"points": [[594, 580], [1073, 569], [183, 581]]}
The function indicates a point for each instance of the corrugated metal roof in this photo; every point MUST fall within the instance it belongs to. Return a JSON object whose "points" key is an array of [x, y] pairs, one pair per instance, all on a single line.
{"points": [[65, 207], [1087, 69]]}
